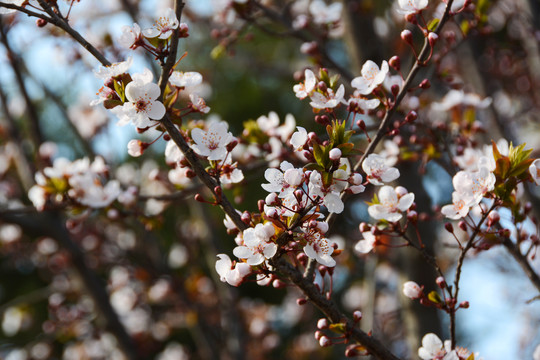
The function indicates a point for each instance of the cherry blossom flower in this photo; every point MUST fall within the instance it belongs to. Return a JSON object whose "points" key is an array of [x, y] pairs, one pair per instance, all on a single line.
{"points": [[142, 106], [325, 14], [377, 171], [458, 98], [412, 290], [534, 170], [185, 79], [306, 88], [212, 143], [257, 245], [131, 36], [473, 185], [164, 26], [198, 104], [233, 275], [371, 77], [409, 7], [179, 176], [277, 182], [433, 349], [330, 195], [390, 204], [367, 244], [230, 174], [299, 138], [319, 248], [328, 101], [364, 104], [458, 209], [113, 70]]}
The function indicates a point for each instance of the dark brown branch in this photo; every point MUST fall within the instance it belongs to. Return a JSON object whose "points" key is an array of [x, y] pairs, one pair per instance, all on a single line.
{"points": [[521, 259]]}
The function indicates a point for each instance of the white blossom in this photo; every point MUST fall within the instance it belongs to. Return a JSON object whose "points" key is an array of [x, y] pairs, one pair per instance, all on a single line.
{"points": [[409, 7], [328, 101], [185, 79], [299, 138], [367, 244], [371, 77], [130, 36], [412, 290], [232, 275], [377, 170], [113, 70], [164, 26], [257, 245], [319, 248], [534, 170], [306, 88], [390, 204], [325, 14], [212, 143]]}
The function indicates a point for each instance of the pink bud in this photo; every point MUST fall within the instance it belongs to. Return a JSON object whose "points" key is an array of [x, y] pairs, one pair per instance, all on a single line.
{"points": [[441, 283], [301, 301], [357, 315], [432, 38], [406, 35], [324, 341], [412, 290], [395, 62], [322, 324]]}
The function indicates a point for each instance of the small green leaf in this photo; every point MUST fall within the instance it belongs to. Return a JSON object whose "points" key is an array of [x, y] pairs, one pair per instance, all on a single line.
{"points": [[339, 328], [435, 297], [432, 25]]}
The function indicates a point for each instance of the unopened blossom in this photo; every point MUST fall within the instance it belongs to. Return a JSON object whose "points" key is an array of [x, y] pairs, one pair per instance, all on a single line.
{"points": [[412, 290], [113, 70], [142, 106], [534, 170], [233, 275], [409, 7], [367, 244], [198, 104], [306, 88], [390, 204], [377, 170], [328, 101], [319, 248], [299, 138], [325, 14], [371, 77], [185, 79], [164, 26], [459, 207], [131, 36], [257, 245], [135, 148], [212, 143]]}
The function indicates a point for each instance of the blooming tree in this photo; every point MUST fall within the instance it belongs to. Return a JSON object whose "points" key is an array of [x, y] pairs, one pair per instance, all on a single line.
{"points": [[123, 248]]}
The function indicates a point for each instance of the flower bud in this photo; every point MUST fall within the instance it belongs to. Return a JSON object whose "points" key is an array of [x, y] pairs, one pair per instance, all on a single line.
{"points": [[230, 146], [464, 304], [318, 334], [432, 38], [448, 226], [322, 226], [322, 324], [406, 35], [494, 217], [395, 62], [357, 315], [324, 341], [183, 30], [395, 89], [363, 227], [301, 301], [246, 217], [441, 283], [462, 225], [411, 116], [425, 84], [412, 290], [271, 199], [335, 154], [412, 216], [41, 23], [278, 284]]}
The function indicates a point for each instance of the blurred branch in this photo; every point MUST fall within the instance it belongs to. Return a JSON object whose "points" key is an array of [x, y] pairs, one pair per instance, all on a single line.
{"points": [[522, 260], [33, 117]]}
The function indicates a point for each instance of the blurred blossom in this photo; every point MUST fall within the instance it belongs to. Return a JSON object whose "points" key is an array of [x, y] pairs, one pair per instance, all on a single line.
{"points": [[178, 256], [10, 233], [173, 351]]}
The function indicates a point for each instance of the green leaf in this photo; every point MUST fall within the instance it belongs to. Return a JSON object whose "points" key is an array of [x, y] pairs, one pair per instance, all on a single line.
{"points": [[313, 166], [339, 328], [432, 25], [435, 297]]}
